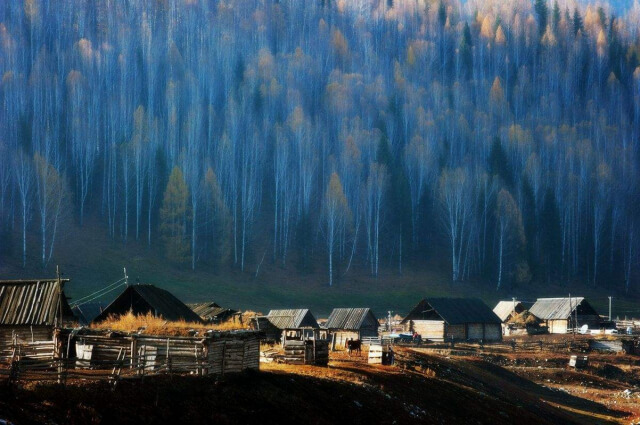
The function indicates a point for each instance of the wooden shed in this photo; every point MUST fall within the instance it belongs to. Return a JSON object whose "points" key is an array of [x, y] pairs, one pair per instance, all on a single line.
{"points": [[143, 299], [454, 318], [560, 314], [276, 321], [351, 323], [30, 310]]}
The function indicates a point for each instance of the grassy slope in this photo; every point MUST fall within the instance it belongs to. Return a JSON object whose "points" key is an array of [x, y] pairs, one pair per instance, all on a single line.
{"points": [[96, 261]]}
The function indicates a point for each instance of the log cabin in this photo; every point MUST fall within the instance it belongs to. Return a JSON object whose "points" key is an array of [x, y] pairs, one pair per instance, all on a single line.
{"points": [[461, 319], [30, 311], [351, 323], [560, 315]]}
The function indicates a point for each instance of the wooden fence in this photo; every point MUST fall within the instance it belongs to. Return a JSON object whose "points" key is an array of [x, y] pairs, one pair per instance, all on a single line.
{"points": [[309, 351], [113, 357], [578, 345]]}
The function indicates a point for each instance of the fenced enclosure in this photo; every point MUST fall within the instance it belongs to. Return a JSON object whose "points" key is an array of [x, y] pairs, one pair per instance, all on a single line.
{"points": [[305, 346], [90, 356]]}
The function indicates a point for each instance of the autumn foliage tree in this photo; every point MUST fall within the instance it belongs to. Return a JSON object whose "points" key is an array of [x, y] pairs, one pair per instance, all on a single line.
{"points": [[510, 239], [174, 216]]}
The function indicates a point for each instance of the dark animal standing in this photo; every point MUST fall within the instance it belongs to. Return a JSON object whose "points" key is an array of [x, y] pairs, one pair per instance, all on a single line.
{"points": [[354, 346]]}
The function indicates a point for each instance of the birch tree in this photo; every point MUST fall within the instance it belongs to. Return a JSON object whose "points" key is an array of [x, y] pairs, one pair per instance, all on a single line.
{"points": [[335, 213]]}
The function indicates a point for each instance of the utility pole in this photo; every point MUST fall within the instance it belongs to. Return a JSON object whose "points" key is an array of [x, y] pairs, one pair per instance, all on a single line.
{"points": [[571, 311], [126, 278], [610, 308], [59, 294], [389, 320], [514, 307]]}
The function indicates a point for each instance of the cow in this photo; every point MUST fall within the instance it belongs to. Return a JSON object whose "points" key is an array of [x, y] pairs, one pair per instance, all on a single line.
{"points": [[354, 346]]}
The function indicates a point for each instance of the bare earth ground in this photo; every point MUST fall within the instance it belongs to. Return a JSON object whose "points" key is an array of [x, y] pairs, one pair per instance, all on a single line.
{"points": [[423, 387]]}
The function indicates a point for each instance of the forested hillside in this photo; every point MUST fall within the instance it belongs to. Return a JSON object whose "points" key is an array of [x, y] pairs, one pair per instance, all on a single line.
{"points": [[351, 135]]}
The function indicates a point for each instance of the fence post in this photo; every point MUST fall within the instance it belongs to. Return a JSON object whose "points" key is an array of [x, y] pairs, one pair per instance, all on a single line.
{"points": [[134, 349], [14, 369], [224, 352], [205, 356], [195, 353], [168, 358]]}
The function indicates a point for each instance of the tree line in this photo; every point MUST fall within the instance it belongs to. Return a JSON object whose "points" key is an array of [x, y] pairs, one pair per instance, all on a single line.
{"points": [[502, 137]]}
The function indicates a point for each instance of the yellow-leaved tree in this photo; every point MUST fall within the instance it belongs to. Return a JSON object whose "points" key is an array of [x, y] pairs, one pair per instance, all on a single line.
{"points": [[174, 218]]}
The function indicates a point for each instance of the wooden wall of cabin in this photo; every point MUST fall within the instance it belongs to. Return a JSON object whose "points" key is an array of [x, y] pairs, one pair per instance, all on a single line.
{"points": [[428, 329], [341, 336], [458, 332], [24, 335], [557, 326], [493, 332], [475, 331]]}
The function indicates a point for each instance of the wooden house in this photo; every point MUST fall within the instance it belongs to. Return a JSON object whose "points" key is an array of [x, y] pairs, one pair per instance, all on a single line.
{"points": [[210, 312], [277, 321], [562, 314], [351, 323], [143, 299], [30, 311], [454, 319]]}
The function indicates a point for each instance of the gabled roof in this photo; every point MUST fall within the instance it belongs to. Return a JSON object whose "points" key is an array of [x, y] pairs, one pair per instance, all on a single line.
{"points": [[350, 318], [210, 310], [292, 318], [454, 311], [504, 309], [560, 308], [142, 299], [32, 302]]}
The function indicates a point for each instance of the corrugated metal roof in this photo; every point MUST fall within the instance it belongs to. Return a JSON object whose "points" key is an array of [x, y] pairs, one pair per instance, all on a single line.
{"points": [[555, 308], [292, 318], [349, 318], [454, 311], [163, 303], [505, 308], [31, 302]]}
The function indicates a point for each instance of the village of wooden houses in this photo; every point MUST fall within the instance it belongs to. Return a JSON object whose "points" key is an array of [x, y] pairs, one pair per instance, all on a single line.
{"points": [[550, 360]]}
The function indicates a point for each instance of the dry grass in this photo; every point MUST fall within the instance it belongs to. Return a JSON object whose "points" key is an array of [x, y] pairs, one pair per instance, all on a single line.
{"points": [[152, 325]]}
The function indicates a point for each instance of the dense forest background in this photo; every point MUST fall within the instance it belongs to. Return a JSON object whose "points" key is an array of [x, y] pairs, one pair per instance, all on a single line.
{"points": [[335, 137]]}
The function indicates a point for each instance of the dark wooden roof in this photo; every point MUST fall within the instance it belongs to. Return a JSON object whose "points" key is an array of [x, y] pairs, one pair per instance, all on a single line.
{"points": [[351, 318], [143, 299], [454, 311], [32, 302], [211, 310]]}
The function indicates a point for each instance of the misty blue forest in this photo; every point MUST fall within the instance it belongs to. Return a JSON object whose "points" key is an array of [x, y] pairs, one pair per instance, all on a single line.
{"points": [[489, 142]]}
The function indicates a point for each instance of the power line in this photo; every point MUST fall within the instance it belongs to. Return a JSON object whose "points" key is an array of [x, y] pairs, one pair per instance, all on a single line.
{"points": [[98, 296], [76, 302]]}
